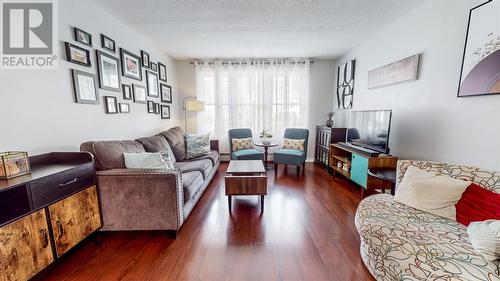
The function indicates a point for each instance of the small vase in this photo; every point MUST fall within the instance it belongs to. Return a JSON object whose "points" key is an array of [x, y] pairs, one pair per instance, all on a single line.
{"points": [[266, 141], [329, 123]]}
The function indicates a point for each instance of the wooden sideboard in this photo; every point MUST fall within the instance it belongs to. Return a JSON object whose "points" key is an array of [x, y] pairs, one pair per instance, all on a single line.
{"points": [[324, 137], [47, 212]]}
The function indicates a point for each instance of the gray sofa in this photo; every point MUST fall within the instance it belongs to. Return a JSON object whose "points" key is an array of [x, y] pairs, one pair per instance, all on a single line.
{"points": [[145, 199]]}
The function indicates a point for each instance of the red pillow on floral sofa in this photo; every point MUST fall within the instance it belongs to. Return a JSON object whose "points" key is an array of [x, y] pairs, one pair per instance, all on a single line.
{"points": [[478, 204]]}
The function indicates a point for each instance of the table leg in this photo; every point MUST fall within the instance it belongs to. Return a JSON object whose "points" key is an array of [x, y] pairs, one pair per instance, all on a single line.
{"points": [[262, 203], [229, 201], [265, 157]]}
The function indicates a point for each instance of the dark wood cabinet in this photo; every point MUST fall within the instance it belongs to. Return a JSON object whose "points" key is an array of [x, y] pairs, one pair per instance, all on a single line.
{"points": [[47, 212], [324, 137]]}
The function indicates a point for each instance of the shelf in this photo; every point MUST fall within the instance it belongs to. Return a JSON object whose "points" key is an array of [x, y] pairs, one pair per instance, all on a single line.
{"points": [[341, 159], [341, 171]]}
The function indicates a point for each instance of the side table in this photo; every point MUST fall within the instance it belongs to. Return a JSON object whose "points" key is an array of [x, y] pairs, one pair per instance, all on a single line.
{"points": [[266, 147]]}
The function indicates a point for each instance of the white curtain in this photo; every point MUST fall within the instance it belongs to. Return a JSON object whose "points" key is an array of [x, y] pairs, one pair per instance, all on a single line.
{"points": [[256, 95]]}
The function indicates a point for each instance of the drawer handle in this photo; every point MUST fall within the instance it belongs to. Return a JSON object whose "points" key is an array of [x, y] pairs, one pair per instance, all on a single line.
{"points": [[68, 183], [60, 229], [45, 238]]}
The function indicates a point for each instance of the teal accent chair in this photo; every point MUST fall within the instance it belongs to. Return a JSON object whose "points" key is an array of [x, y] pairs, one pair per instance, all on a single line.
{"points": [[292, 156], [244, 154]]}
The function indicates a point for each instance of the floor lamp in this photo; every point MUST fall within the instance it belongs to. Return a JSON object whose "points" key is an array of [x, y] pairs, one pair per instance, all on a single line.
{"points": [[193, 105]]}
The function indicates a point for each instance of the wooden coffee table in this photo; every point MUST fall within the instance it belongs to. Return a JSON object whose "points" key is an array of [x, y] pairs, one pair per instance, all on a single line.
{"points": [[246, 177]]}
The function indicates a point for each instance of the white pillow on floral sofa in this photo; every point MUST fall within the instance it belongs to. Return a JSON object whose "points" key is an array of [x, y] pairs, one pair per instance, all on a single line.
{"points": [[485, 238], [436, 194]]}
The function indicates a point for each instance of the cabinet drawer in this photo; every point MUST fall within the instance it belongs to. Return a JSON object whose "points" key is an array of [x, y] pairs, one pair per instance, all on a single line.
{"points": [[50, 189], [359, 169]]}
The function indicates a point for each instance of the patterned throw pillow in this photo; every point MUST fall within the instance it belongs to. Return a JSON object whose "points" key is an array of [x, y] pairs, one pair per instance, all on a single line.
{"points": [[197, 145], [239, 144], [294, 144]]}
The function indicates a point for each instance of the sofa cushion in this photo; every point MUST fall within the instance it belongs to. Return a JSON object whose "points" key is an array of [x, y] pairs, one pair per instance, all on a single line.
{"points": [[248, 154], [294, 144], [202, 165], [478, 204], [239, 144], [109, 154], [157, 143], [399, 242], [191, 184], [213, 156], [175, 138], [197, 145], [147, 160]]}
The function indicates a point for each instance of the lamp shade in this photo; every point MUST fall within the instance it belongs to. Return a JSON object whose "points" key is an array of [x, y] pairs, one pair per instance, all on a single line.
{"points": [[194, 105]]}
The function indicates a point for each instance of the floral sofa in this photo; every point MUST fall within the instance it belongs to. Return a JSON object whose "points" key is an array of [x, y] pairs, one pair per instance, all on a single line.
{"points": [[399, 242]]}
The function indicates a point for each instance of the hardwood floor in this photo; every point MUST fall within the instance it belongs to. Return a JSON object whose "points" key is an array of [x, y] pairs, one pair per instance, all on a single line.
{"points": [[306, 232]]}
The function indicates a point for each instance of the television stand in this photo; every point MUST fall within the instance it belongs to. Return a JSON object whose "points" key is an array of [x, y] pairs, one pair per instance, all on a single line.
{"points": [[353, 164], [359, 149]]}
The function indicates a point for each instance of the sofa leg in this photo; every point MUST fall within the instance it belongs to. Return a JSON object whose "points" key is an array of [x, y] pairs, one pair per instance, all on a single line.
{"points": [[171, 234], [298, 170]]}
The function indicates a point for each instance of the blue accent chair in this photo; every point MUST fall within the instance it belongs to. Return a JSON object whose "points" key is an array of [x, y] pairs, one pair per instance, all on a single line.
{"points": [[292, 156], [244, 154]]}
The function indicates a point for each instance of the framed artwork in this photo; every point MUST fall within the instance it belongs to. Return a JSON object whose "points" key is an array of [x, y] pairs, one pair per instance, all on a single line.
{"points": [[151, 106], [108, 43], [152, 83], [85, 87], [124, 108], [131, 65], [162, 72], [111, 105], [403, 70], [77, 54], [145, 59], [154, 67], [157, 108], [345, 85], [127, 92], [480, 74], [165, 111], [139, 93], [165, 93], [82, 37], [107, 67]]}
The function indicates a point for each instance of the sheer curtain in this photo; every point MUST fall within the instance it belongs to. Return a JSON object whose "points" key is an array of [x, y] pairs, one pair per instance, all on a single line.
{"points": [[256, 95]]}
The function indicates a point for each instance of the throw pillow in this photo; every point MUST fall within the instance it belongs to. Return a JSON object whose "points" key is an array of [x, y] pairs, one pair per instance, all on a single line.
{"points": [[197, 145], [146, 160], [436, 194], [294, 144], [478, 204], [485, 238], [239, 144]]}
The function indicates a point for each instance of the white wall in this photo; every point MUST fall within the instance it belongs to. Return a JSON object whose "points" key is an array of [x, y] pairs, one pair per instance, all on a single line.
{"points": [[429, 121], [321, 87], [37, 109]]}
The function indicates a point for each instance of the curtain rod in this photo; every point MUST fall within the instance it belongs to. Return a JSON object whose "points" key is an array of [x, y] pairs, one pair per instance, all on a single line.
{"points": [[249, 61]]}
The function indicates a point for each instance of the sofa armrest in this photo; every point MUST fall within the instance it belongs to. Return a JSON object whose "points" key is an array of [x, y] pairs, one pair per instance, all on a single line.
{"points": [[141, 199], [214, 145]]}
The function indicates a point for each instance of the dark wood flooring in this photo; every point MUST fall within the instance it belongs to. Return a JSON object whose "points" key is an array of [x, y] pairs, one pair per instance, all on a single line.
{"points": [[306, 232]]}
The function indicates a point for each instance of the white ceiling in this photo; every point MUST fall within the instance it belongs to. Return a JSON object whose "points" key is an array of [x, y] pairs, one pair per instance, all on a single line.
{"points": [[253, 28]]}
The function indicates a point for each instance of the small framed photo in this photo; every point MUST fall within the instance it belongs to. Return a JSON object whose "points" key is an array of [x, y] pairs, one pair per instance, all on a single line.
{"points": [[162, 72], [165, 93], [127, 92], [152, 83], [151, 106], [85, 87], [145, 59], [111, 105], [82, 37], [139, 93], [154, 67], [109, 73], [77, 54], [124, 108], [165, 111], [157, 108], [108, 43], [131, 65]]}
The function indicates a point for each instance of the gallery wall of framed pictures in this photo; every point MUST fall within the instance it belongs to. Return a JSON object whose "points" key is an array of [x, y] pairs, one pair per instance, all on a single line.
{"points": [[127, 77]]}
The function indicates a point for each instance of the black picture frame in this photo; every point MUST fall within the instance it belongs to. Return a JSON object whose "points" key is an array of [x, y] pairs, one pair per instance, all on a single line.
{"points": [[165, 93], [82, 37], [157, 108], [154, 67], [79, 96], [111, 104], [127, 92], [165, 111], [152, 84], [124, 107], [70, 55], [140, 93], [481, 66], [162, 72], [151, 106], [124, 55], [145, 61], [104, 40], [99, 57]]}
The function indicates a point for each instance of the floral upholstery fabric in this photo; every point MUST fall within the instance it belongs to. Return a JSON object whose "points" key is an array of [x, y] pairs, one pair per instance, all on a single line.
{"points": [[240, 144], [294, 144], [399, 242]]}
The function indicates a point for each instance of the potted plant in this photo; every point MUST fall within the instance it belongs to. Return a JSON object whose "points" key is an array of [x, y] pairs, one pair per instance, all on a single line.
{"points": [[265, 136]]}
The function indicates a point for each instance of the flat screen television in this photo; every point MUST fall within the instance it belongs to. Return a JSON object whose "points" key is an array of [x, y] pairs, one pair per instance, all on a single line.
{"points": [[370, 129]]}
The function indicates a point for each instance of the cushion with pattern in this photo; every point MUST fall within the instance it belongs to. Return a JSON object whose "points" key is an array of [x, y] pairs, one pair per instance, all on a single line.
{"points": [[294, 144], [240, 144]]}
